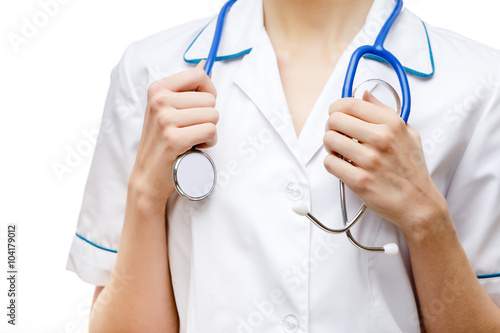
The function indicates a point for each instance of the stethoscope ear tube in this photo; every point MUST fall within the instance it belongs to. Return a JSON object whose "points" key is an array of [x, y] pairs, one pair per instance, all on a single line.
{"points": [[184, 185], [390, 249], [379, 51]]}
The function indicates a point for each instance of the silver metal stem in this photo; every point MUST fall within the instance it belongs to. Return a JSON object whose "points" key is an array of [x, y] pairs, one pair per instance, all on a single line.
{"points": [[358, 215], [362, 247], [343, 207], [325, 228]]}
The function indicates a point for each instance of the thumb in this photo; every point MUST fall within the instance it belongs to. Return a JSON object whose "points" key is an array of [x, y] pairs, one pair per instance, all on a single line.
{"points": [[368, 97], [201, 64]]}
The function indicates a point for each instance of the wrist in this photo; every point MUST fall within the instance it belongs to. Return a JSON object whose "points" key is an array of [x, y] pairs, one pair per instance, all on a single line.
{"points": [[146, 196], [429, 223]]}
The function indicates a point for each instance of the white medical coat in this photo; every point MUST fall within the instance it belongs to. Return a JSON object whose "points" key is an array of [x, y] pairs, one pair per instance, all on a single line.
{"points": [[241, 260]]}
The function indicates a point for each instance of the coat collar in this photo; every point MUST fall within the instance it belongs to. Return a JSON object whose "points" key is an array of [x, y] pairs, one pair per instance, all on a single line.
{"points": [[244, 32], [241, 31], [408, 39]]}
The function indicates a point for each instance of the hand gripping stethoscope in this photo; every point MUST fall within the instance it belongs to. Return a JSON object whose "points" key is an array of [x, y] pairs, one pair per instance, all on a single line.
{"points": [[379, 51], [194, 172]]}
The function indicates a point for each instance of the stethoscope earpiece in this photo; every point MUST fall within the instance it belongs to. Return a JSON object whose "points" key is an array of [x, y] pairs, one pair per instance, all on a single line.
{"points": [[300, 208], [391, 250]]}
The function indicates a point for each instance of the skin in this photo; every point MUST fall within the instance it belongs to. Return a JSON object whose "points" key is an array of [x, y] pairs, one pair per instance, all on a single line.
{"points": [[305, 30], [139, 296], [387, 171]]}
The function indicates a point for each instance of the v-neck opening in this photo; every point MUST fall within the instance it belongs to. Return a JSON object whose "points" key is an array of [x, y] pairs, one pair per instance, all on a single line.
{"points": [[312, 132]]}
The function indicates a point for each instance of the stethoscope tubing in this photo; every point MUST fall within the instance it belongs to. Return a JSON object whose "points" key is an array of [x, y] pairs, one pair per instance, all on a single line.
{"points": [[377, 49], [212, 54]]}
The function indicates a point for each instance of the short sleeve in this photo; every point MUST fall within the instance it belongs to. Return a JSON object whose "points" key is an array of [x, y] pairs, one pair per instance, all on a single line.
{"points": [[95, 244], [474, 193]]}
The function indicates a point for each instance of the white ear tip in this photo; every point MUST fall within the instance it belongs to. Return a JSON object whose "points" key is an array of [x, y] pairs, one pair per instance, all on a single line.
{"points": [[391, 249], [300, 208]]}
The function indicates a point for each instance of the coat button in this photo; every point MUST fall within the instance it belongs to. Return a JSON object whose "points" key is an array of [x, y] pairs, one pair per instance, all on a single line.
{"points": [[294, 191], [290, 323]]}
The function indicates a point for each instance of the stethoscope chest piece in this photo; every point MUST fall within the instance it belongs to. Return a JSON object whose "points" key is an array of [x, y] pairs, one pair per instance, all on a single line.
{"points": [[194, 175]]}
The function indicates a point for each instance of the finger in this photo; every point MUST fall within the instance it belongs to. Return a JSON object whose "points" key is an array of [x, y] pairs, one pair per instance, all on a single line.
{"points": [[190, 80], [350, 126], [191, 99], [208, 143], [201, 64], [195, 116], [348, 148], [202, 135], [341, 169], [370, 98], [363, 110]]}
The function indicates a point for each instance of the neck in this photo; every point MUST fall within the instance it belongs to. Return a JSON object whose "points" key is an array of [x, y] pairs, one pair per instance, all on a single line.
{"points": [[294, 25]]}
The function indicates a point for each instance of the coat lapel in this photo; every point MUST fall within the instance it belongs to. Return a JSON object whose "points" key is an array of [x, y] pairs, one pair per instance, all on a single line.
{"points": [[259, 78], [407, 40], [245, 38]]}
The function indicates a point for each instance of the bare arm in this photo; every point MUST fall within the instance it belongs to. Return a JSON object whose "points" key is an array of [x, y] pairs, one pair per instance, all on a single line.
{"points": [[387, 172], [451, 297], [139, 295]]}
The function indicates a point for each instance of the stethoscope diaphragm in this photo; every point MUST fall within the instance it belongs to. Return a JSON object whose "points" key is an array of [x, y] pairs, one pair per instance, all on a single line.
{"points": [[194, 175]]}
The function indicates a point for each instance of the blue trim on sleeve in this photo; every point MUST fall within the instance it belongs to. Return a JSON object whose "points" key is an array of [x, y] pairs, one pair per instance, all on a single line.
{"points": [[484, 276], [94, 244], [409, 70], [488, 276]]}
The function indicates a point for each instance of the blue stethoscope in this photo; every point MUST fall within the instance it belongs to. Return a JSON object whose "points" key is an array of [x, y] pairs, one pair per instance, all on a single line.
{"points": [[194, 172]]}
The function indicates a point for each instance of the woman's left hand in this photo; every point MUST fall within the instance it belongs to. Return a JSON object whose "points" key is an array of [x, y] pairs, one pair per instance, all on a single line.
{"points": [[385, 165]]}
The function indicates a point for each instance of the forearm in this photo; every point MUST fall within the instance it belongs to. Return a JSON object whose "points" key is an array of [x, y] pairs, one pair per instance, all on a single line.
{"points": [[139, 296], [450, 295]]}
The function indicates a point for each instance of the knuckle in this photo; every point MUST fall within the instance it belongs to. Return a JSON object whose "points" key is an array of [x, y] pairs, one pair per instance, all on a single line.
{"points": [[334, 119], [351, 103], [360, 182], [373, 159], [170, 137], [333, 107], [211, 130], [381, 140], [397, 125], [328, 139], [216, 116], [164, 120], [342, 104], [213, 116], [328, 161], [212, 142], [159, 101], [153, 89], [211, 100]]}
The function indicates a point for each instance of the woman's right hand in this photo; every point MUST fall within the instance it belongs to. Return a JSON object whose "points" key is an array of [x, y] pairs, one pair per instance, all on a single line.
{"points": [[180, 114]]}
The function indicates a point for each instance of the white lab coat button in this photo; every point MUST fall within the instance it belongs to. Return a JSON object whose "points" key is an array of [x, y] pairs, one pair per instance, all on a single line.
{"points": [[294, 191], [290, 323]]}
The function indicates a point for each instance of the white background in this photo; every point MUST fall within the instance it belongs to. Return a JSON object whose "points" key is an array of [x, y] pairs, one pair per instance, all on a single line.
{"points": [[53, 88]]}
